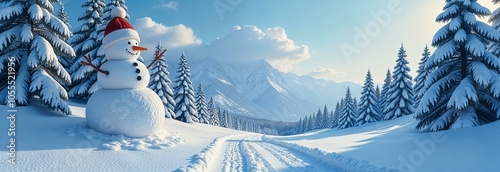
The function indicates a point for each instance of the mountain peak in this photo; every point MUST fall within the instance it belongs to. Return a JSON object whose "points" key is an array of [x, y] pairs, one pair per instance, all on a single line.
{"points": [[256, 89]]}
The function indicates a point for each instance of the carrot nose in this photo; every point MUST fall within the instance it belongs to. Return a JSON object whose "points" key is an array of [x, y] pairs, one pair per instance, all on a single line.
{"points": [[138, 48]]}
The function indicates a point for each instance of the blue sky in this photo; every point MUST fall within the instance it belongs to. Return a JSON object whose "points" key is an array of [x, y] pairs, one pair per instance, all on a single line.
{"points": [[303, 37]]}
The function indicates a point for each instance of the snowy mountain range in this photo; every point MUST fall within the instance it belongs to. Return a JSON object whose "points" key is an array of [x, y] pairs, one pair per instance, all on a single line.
{"points": [[258, 90]]}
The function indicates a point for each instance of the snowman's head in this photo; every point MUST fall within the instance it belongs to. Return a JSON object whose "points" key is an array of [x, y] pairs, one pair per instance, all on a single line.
{"points": [[121, 41], [127, 49]]}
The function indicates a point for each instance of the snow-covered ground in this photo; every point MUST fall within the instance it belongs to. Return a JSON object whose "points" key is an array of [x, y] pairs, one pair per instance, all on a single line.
{"points": [[396, 144], [49, 142]]}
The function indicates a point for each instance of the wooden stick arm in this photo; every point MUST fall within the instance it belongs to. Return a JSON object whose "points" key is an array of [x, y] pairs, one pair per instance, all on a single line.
{"points": [[88, 62], [157, 57]]}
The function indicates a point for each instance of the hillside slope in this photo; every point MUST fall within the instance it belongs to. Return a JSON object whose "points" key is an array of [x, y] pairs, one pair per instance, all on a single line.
{"points": [[395, 144]]}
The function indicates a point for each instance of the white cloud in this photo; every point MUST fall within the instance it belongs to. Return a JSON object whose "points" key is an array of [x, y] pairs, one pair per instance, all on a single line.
{"points": [[249, 43], [169, 5], [170, 36], [325, 73], [238, 45]]}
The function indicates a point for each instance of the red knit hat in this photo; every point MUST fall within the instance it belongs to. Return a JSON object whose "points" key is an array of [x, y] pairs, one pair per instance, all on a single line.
{"points": [[118, 28]]}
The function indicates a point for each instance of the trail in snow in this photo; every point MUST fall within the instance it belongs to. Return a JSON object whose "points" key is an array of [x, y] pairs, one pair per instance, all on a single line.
{"points": [[252, 153]]}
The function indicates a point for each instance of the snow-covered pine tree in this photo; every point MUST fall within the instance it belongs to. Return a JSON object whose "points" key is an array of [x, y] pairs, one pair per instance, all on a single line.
{"points": [[347, 117], [160, 83], [86, 41], [327, 121], [318, 119], [222, 118], [300, 126], [213, 112], [422, 74], [400, 98], [356, 108], [229, 119], [337, 114], [310, 122], [185, 108], [384, 93], [32, 38], [305, 123], [61, 14], [201, 105], [377, 93], [464, 88], [368, 104], [494, 47]]}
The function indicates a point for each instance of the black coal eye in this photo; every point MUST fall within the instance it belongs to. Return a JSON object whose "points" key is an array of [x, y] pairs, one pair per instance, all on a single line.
{"points": [[136, 43], [129, 43]]}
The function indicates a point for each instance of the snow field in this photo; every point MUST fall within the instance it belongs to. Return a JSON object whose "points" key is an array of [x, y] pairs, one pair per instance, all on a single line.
{"points": [[251, 153], [161, 140], [203, 160], [46, 141], [334, 160]]}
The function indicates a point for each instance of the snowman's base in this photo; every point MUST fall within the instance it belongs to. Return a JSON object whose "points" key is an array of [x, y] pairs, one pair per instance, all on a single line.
{"points": [[129, 112]]}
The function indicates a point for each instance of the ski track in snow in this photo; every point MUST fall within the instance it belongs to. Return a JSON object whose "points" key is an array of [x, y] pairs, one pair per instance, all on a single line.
{"points": [[252, 153]]}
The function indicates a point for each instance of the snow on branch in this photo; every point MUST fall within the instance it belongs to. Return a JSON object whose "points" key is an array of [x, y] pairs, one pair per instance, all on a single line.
{"points": [[443, 53], [480, 73], [35, 12], [464, 93], [6, 37], [479, 9], [474, 46], [470, 18], [441, 34], [448, 13], [487, 31], [10, 12]]}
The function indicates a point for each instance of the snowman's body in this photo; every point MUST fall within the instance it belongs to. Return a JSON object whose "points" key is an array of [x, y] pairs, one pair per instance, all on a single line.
{"points": [[124, 105], [124, 74]]}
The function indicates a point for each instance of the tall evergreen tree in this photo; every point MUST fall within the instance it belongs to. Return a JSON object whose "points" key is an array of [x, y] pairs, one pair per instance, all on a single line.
{"points": [[385, 93], [378, 94], [305, 123], [32, 38], [400, 100], [348, 115], [327, 121], [369, 111], [356, 109], [201, 105], [65, 61], [223, 118], [494, 47], [310, 123], [213, 112], [422, 74], [86, 41], [300, 126], [160, 83], [464, 88], [318, 119], [185, 108], [337, 114]]}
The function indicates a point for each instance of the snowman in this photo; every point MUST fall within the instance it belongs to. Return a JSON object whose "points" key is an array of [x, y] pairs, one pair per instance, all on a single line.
{"points": [[124, 105]]}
